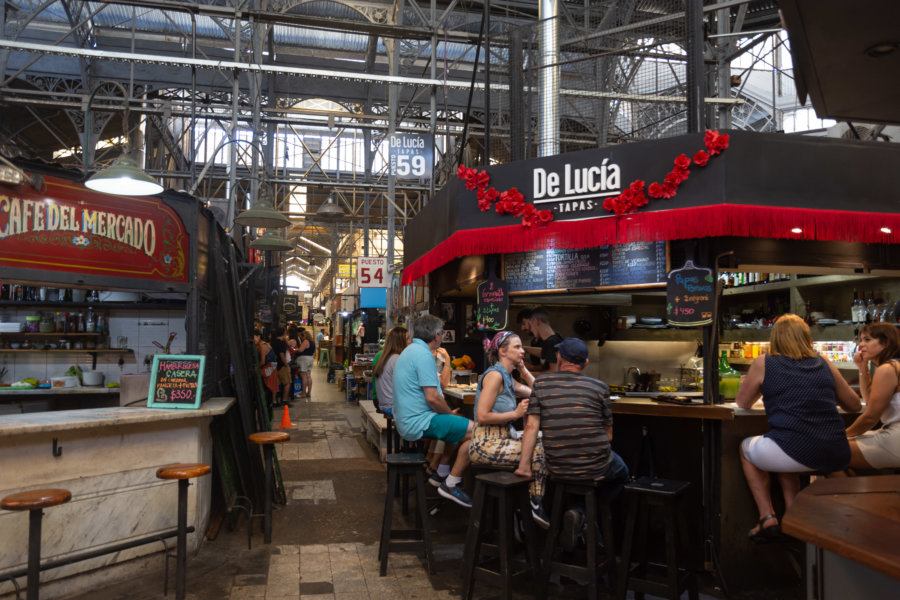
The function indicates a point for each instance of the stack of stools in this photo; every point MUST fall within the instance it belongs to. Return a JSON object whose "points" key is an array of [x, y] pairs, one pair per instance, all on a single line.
{"points": [[587, 490], [417, 539], [34, 501], [182, 472], [510, 491], [642, 494], [267, 439]]}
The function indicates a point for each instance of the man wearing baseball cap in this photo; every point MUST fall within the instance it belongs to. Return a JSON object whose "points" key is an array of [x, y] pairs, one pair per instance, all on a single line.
{"points": [[573, 412]]}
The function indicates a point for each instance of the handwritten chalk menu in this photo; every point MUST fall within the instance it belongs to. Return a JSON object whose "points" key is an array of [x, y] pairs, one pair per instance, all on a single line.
{"points": [[176, 381], [289, 304], [493, 304], [637, 263], [690, 293]]}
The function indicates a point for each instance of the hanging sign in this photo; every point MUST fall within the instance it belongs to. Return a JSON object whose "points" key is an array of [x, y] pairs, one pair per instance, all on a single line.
{"points": [[371, 271], [493, 304], [411, 155], [70, 228], [289, 304], [176, 381], [690, 293]]}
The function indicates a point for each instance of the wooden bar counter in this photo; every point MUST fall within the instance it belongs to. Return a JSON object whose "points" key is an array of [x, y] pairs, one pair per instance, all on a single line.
{"points": [[852, 530]]}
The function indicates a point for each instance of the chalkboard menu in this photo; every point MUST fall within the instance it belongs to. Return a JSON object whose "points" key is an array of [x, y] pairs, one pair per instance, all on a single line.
{"points": [[289, 304], [493, 304], [690, 293], [176, 381], [637, 263]]}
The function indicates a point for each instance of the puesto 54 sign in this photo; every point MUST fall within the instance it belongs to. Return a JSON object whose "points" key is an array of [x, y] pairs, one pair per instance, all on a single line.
{"points": [[371, 271], [411, 155], [71, 228]]}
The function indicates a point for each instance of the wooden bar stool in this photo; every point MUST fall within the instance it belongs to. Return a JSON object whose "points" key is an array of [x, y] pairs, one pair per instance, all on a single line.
{"points": [[267, 439], [408, 540], [509, 491], [587, 490], [183, 472], [642, 494], [34, 501]]}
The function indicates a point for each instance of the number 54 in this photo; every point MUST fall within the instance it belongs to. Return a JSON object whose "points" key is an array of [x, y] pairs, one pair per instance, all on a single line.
{"points": [[365, 276]]}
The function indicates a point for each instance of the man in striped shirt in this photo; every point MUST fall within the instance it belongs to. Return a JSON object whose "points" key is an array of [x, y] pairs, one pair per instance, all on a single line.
{"points": [[572, 411]]}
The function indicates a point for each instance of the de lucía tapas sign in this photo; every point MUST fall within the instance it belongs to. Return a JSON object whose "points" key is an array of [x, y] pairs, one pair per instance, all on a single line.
{"points": [[493, 304], [176, 381], [690, 292]]}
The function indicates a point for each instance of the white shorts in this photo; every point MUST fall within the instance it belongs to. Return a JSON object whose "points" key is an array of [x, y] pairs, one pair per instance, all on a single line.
{"points": [[881, 448], [765, 454], [305, 363]]}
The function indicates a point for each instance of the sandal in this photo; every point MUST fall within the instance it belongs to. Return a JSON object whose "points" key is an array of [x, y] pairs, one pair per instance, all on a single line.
{"points": [[765, 534]]}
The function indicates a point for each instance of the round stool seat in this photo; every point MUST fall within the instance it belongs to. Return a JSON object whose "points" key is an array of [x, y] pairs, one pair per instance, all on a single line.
{"points": [[269, 437], [33, 499], [182, 471]]}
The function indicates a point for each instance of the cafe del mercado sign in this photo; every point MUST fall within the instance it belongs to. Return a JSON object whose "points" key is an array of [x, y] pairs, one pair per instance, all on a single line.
{"points": [[70, 228]]}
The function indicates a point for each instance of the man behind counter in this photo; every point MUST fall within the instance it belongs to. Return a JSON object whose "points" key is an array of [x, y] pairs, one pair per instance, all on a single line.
{"points": [[543, 347]]}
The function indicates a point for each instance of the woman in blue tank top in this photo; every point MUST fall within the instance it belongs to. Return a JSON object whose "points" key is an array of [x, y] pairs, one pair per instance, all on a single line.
{"points": [[494, 440], [800, 391]]}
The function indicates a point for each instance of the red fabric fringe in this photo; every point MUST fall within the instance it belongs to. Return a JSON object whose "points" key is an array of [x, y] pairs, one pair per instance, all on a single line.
{"points": [[721, 220]]}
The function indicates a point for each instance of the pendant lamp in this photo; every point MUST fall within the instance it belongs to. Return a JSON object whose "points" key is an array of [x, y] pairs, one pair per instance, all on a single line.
{"points": [[330, 209], [124, 178], [271, 241], [263, 214]]}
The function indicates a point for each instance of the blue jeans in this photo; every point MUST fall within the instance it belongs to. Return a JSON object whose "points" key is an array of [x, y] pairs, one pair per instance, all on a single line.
{"points": [[613, 482]]}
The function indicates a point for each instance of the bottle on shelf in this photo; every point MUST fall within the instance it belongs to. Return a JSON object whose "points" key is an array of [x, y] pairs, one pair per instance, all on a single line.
{"points": [[870, 308], [90, 323], [854, 307], [729, 379]]}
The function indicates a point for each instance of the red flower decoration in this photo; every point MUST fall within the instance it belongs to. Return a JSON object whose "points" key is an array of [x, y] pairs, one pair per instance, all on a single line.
{"points": [[701, 158], [655, 190], [482, 179], [714, 142], [682, 162]]}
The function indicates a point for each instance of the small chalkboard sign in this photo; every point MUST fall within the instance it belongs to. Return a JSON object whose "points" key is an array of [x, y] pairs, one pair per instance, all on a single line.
{"points": [[690, 293], [289, 304], [493, 304], [176, 381]]}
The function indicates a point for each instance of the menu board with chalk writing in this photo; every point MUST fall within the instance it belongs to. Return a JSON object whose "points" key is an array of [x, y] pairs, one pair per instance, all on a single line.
{"points": [[176, 381], [493, 304], [690, 294], [620, 265]]}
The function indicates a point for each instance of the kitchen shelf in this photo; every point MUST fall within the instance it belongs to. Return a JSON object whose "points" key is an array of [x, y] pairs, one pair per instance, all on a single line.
{"points": [[94, 352], [50, 334], [838, 363], [787, 284], [98, 305]]}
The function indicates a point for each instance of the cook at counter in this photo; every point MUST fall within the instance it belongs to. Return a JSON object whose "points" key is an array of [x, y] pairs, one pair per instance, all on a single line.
{"points": [[536, 322], [801, 390]]}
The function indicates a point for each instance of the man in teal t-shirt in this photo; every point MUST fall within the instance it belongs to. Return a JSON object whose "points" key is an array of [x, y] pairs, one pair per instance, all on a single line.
{"points": [[419, 406]]}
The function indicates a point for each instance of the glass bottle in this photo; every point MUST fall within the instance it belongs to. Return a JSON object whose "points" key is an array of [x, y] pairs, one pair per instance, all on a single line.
{"points": [[854, 308], [60, 323], [870, 308], [89, 325], [729, 379]]}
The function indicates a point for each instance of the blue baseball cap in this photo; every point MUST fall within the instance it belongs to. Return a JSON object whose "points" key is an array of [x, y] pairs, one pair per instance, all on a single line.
{"points": [[573, 350]]}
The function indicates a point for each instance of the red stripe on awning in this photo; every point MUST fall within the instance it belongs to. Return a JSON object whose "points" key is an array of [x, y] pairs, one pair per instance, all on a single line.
{"points": [[721, 220]]}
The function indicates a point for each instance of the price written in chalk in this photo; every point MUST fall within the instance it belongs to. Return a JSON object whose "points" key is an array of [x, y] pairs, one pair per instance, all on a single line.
{"points": [[493, 305], [176, 381], [690, 293]]}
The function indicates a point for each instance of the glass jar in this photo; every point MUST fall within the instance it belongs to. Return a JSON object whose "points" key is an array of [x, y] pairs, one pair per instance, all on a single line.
{"points": [[729, 379], [47, 324], [32, 323]]}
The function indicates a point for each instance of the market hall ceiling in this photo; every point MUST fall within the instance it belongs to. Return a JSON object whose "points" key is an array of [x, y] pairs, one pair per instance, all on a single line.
{"points": [[52, 54]]}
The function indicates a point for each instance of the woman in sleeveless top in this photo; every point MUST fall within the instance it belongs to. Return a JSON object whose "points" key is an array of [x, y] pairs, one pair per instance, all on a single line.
{"points": [[880, 344], [800, 391], [494, 440], [305, 352]]}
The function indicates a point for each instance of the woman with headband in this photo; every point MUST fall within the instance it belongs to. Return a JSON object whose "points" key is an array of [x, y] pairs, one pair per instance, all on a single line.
{"points": [[494, 440]]}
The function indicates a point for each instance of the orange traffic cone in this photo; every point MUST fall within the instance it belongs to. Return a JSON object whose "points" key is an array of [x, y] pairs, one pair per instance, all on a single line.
{"points": [[285, 419]]}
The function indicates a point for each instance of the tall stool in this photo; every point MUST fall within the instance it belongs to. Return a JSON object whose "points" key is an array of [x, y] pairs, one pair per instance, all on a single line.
{"points": [[267, 439], [510, 491], [587, 490], [183, 473], [34, 501], [417, 539], [644, 493], [324, 357]]}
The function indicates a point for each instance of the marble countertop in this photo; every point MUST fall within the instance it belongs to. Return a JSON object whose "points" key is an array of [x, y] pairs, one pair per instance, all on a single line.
{"points": [[91, 418], [89, 389]]}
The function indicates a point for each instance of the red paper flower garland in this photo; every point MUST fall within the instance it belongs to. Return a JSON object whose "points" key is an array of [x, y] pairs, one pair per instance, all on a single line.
{"points": [[634, 197], [510, 202]]}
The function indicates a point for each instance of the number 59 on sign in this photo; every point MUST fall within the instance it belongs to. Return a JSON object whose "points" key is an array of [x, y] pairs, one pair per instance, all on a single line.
{"points": [[371, 271]]}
